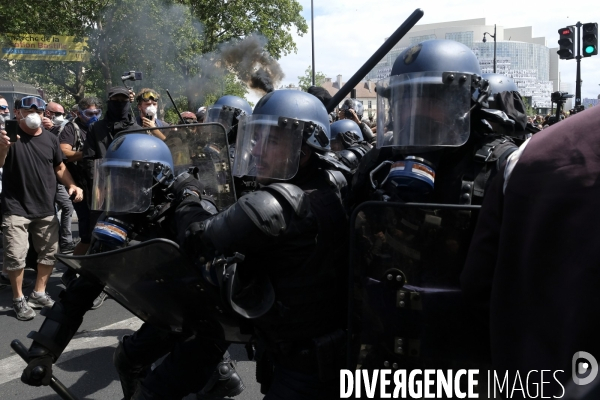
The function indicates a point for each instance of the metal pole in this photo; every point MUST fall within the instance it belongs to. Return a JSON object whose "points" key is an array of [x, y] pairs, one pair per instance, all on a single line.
{"points": [[312, 33], [375, 58], [578, 82], [494, 48]]}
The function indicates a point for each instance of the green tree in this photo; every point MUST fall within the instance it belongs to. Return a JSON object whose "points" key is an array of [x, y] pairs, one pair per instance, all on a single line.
{"points": [[168, 40], [304, 82]]}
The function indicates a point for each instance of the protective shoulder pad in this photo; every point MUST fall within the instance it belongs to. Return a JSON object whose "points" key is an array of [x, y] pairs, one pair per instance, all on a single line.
{"points": [[337, 180], [349, 158], [331, 161], [264, 211], [293, 195]]}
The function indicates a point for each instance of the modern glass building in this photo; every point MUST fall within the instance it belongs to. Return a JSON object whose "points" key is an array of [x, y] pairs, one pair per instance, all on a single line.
{"points": [[519, 55]]}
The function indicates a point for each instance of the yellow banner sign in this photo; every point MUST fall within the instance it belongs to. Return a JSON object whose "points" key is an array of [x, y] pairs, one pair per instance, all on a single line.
{"points": [[47, 48]]}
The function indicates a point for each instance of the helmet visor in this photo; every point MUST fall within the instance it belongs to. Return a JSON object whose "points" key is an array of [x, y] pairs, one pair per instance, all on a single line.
{"points": [[268, 147], [122, 186], [424, 109], [221, 115]]}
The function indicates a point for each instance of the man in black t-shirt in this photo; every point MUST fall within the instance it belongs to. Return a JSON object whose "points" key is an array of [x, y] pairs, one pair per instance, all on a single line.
{"points": [[32, 165]]}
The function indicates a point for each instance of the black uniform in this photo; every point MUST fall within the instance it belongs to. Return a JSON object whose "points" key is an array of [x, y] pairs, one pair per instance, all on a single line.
{"points": [[298, 245]]}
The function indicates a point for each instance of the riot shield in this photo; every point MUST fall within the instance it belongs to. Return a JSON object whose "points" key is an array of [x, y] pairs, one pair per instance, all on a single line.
{"points": [[203, 146], [157, 283], [406, 307]]}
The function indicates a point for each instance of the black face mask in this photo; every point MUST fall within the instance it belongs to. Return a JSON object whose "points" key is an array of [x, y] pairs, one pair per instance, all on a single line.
{"points": [[117, 110]]}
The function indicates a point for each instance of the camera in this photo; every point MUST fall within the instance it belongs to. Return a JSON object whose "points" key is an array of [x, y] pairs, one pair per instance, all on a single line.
{"points": [[560, 96], [132, 76]]}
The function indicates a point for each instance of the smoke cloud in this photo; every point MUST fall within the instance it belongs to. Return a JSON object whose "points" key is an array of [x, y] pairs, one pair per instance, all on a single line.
{"points": [[252, 63]]}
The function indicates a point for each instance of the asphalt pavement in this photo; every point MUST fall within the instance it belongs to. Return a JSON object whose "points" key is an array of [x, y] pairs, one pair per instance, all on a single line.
{"points": [[86, 365]]}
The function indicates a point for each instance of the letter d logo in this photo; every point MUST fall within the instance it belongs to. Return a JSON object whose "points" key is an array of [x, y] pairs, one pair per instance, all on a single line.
{"points": [[581, 368]]}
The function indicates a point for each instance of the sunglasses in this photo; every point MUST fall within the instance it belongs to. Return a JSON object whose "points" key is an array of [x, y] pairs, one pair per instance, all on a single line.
{"points": [[56, 113], [3, 108], [32, 101], [149, 96], [190, 121]]}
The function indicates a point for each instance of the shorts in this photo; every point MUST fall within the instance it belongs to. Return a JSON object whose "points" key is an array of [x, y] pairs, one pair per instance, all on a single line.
{"points": [[16, 230]]}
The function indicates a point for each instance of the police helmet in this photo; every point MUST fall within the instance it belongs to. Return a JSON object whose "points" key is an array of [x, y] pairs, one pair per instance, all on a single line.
{"points": [[124, 178], [427, 99], [227, 110], [498, 84], [343, 133], [269, 141]]}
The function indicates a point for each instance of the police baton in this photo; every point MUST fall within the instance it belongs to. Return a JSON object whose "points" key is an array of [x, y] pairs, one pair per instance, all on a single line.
{"points": [[55, 384]]}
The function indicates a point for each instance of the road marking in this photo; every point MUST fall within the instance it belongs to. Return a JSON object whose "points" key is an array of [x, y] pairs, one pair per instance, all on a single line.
{"points": [[12, 367]]}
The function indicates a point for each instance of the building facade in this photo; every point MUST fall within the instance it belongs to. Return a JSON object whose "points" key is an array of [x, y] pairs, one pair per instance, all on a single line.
{"points": [[532, 65]]}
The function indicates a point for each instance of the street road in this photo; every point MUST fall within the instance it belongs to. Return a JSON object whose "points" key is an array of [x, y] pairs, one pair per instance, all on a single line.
{"points": [[86, 365]]}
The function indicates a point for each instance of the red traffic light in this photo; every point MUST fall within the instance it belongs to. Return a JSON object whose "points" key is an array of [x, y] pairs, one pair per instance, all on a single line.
{"points": [[566, 32]]}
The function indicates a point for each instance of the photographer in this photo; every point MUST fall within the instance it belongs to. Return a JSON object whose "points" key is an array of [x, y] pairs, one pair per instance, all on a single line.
{"points": [[147, 104], [352, 109]]}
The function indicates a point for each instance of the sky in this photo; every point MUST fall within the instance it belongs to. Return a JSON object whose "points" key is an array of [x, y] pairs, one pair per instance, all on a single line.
{"points": [[348, 32]]}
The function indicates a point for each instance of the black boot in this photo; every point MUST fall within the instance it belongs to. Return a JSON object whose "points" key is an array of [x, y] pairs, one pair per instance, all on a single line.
{"points": [[129, 372], [225, 382]]}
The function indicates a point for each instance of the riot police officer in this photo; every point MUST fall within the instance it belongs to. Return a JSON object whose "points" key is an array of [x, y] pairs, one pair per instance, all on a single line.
{"points": [[429, 123], [291, 234], [131, 189], [435, 151], [348, 143]]}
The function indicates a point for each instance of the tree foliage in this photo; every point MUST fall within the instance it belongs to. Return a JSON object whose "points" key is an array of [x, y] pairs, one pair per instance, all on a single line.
{"points": [[168, 40], [304, 82]]}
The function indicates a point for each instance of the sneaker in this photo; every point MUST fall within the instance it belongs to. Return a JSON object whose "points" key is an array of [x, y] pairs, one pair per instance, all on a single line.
{"points": [[41, 301], [69, 247], [4, 281], [98, 301], [22, 309]]}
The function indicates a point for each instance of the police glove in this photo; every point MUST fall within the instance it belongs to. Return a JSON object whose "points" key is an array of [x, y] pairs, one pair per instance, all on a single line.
{"points": [[185, 185], [38, 371]]}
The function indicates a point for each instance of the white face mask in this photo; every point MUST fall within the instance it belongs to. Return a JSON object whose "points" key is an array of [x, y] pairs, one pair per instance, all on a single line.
{"points": [[33, 121], [58, 120], [151, 111]]}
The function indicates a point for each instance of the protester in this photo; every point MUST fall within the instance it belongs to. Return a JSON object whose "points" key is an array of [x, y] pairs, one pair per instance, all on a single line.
{"points": [[29, 188], [533, 261], [147, 104], [71, 139]]}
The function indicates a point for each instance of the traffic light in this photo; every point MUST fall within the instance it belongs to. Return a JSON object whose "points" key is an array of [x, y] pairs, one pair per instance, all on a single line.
{"points": [[566, 42], [589, 41]]}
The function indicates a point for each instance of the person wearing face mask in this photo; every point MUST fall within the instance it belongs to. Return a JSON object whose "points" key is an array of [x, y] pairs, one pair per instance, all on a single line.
{"points": [[53, 120], [100, 135], [54, 117], [33, 164], [147, 105], [71, 137]]}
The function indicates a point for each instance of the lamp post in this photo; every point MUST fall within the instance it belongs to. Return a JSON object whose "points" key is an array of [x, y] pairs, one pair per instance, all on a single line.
{"points": [[312, 33], [493, 36]]}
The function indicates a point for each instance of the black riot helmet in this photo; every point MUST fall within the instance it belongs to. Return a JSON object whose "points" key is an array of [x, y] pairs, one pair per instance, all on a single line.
{"points": [[426, 101], [269, 141]]}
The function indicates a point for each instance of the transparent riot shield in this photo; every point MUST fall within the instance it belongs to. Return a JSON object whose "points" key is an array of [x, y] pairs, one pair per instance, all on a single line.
{"points": [[406, 307], [157, 283], [203, 146]]}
